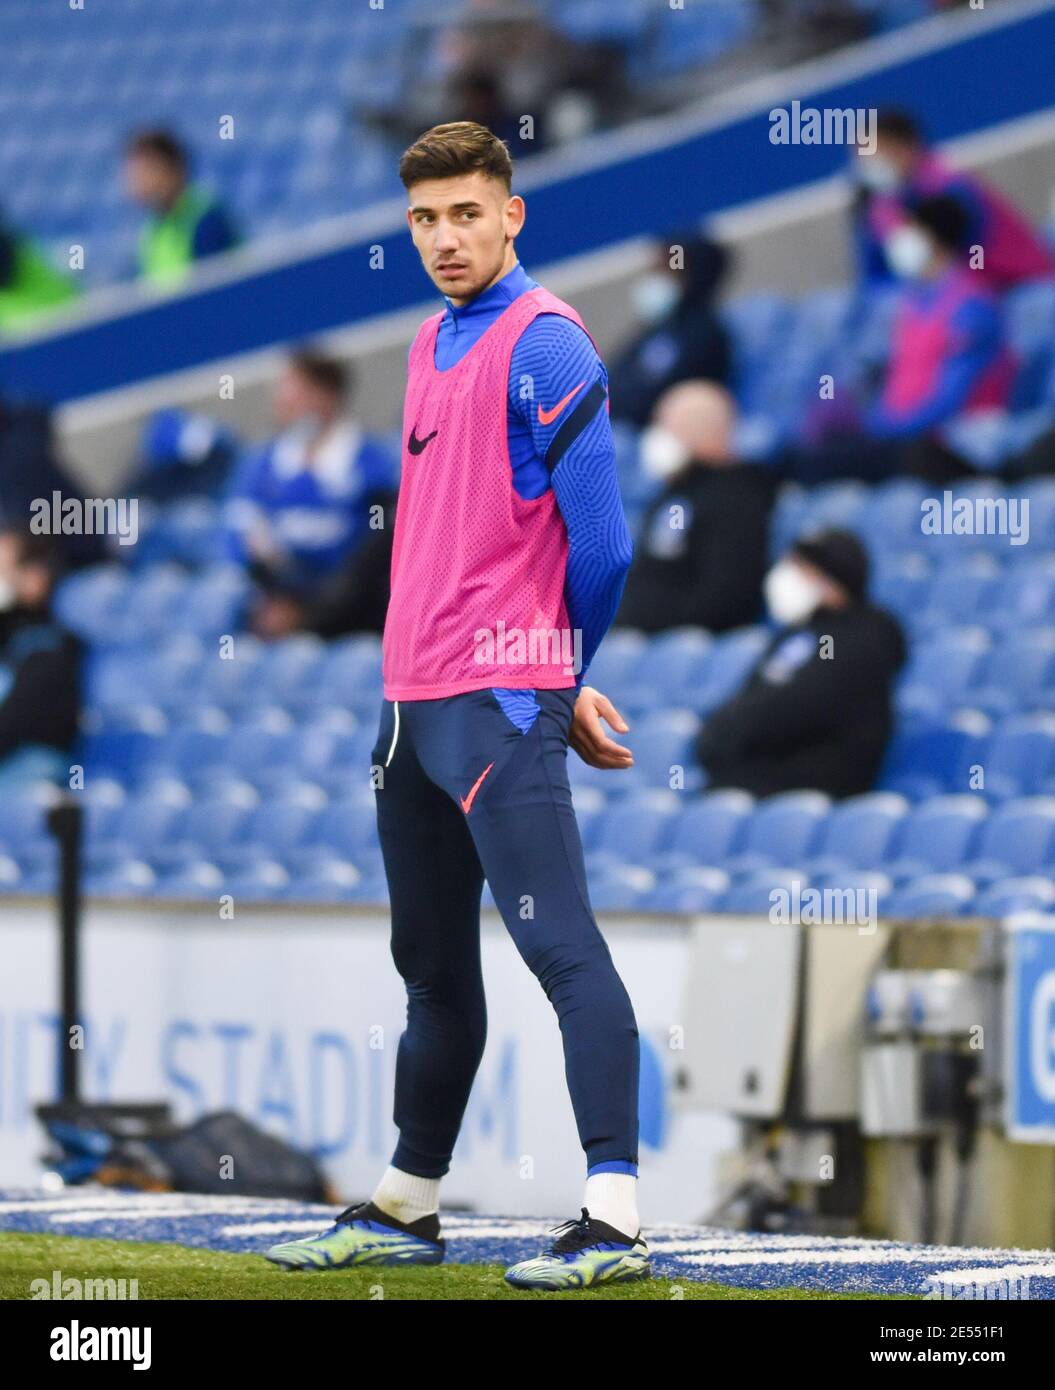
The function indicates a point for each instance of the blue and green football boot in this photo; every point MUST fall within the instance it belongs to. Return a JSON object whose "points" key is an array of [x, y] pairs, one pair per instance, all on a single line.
{"points": [[364, 1235], [585, 1252]]}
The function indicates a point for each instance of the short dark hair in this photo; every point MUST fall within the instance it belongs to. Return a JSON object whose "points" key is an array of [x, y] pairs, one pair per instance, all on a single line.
{"points": [[159, 144], [460, 147], [326, 373], [945, 218], [900, 125]]}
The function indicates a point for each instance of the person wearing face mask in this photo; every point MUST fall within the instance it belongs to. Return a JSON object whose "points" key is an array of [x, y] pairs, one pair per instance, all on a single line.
{"points": [[949, 355], [299, 507], [948, 360], [816, 710], [39, 665], [679, 335], [701, 554], [900, 172]]}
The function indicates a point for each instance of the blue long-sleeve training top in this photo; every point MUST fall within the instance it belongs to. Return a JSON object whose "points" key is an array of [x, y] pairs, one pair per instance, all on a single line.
{"points": [[574, 453]]}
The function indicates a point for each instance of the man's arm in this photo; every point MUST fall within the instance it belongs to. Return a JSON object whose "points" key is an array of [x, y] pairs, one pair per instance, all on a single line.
{"points": [[558, 393]]}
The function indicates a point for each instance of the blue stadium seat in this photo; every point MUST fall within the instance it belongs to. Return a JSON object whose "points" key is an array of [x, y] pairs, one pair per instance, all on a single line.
{"points": [[1025, 595], [857, 833], [781, 829], [328, 879], [936, 837], [620, 888], [941, 671], [349, 826], [933, 895], [637, 826], [664, 748], [1017, 839], [286, 821], [1020, 673], [960, 591], [931, 755], [729, 660], [689, 890], [1030, 894], [708, 830], [753, 895], [1020, 756]]}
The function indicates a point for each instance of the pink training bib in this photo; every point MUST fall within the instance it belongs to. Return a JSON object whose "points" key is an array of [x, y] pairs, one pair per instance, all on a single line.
{"points": [[477, 571]]}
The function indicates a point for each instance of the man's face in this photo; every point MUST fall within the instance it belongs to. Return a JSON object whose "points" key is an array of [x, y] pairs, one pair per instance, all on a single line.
{"points": [[463, 228], [151, 182], [296, 398], [19, 583]]}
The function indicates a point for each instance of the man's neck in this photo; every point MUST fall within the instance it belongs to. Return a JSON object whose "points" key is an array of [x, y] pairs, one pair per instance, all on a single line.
{"points": [[507, 265]]}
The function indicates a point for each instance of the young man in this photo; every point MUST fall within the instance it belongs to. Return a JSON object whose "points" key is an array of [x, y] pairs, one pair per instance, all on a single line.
{"points": [[510, 554], [185, 222]]}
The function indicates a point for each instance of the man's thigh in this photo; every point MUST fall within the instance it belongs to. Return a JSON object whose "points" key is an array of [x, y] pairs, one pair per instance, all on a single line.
{"points": [[433, 871]]}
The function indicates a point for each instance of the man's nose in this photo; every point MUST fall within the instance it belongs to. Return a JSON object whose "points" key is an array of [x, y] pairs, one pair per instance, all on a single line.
{"points": [[446, 237]]}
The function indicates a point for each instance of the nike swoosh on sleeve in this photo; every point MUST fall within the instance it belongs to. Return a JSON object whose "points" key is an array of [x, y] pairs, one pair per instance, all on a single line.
{"points": [[547, 417]]}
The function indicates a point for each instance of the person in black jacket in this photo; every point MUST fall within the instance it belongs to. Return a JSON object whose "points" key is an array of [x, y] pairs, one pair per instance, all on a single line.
{"points": [[39, 664], [681, 337], [816, 711], [701, 554]]}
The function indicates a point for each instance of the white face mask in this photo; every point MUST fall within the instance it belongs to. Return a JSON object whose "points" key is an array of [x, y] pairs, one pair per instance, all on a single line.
{"points": [[791, 595], [876, 173], [908, 252], [654, 296], [8, 596], [662, 454]]}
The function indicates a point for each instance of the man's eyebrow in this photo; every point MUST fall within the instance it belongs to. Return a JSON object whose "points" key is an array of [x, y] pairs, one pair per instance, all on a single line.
{"points": [[454, 207]]}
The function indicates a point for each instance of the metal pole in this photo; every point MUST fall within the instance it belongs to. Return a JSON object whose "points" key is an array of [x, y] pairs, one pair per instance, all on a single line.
{"points": [[65, 822]]}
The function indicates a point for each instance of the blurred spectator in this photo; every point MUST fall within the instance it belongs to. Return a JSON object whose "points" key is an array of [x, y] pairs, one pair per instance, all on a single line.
{"points": [[39, 664], [300, 506], [903, 172], [701, 555], [816, 710], [681, 337], [186, 223], [949, 359], [183, 455], [355, 599], [477, 96], [29, 285], [30, 469]]}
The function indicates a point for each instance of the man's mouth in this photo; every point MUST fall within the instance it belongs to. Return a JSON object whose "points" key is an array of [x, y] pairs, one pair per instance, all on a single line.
{"points": [[449, 269]]}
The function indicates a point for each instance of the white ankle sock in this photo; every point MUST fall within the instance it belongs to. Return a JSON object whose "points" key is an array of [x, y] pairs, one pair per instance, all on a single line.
{"points": [[405, 1196], [612, 1197]]}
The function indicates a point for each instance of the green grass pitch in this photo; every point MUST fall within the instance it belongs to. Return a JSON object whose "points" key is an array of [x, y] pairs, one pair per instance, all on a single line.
{"points": [[167, 1271]]}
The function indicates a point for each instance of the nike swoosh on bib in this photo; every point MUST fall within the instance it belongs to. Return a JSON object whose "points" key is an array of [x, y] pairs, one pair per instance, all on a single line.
{"points": [[547, 417], [416, 445]]}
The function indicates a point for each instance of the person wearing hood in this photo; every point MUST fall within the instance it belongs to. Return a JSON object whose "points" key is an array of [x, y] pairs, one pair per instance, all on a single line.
{"points": [[680, 336], [39, 665], [816, 711], [701, 553]]}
